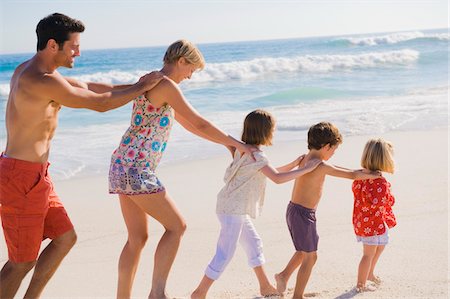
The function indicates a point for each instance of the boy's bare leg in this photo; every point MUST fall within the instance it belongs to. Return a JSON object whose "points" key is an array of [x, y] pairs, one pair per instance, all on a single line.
{"points": [[48, 261], [283, 277], [203, 288], [365, 265], [371, 275], [309, 259], [265, 287]]}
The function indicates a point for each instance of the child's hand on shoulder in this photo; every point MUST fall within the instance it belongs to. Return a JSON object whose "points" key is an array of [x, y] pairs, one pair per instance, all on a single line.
{"points": [[375, 173], [299, 159], [312, 164]]}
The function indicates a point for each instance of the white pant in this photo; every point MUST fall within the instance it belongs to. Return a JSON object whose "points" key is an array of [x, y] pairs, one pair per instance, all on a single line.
{"points": [[234, 228]]}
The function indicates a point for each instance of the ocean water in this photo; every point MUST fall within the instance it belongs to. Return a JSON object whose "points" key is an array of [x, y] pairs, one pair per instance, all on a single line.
{"points": [[365, 84]]}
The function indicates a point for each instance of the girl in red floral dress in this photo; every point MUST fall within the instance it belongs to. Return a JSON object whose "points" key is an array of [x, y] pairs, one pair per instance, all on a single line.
{"points": [[372, 210]]}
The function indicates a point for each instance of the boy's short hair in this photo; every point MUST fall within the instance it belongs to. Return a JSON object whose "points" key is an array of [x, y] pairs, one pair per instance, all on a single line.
{"points": [[322, 134], [185, 49], [258, 128], [378, 155], [58, 27]]}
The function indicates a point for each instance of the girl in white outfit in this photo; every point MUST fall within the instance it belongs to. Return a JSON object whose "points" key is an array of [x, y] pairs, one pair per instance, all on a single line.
{"points": [[242, 197]]}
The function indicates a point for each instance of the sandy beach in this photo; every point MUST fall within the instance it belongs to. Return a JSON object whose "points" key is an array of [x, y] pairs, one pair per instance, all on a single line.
{"points": [[414, 264]]}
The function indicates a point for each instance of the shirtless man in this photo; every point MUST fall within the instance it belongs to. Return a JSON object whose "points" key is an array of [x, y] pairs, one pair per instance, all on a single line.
{"points": [[30, 209], [323, 140]]}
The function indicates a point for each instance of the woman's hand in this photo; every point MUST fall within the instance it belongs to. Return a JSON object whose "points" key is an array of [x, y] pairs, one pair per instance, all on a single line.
{"points": [[247, 149]]}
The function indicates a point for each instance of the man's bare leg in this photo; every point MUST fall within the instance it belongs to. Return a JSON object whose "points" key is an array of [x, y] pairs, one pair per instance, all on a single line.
{"points": [[11, 277], [48, 261], [283, 277]]}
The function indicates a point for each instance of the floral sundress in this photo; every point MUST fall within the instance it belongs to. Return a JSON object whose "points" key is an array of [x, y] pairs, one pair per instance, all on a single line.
{"points": [[134, 162]]}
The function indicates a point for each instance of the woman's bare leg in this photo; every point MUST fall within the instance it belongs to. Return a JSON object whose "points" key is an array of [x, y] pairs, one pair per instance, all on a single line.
{"points": [[136, 222], [161, 207]]}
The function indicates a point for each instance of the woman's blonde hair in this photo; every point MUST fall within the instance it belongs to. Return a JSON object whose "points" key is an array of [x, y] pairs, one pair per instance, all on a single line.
{"points": [[187, 50], [378, 155], [258, 128]]}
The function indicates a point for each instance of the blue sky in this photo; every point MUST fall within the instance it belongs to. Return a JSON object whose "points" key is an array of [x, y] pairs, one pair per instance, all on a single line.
{"points": [[121, 24]]}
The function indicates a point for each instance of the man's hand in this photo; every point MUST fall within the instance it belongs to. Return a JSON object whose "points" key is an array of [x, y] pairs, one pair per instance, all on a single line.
{"points": [[151, 80]]}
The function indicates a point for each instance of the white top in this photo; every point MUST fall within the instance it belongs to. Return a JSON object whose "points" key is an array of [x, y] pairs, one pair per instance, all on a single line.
{"points": [[245, 186]]}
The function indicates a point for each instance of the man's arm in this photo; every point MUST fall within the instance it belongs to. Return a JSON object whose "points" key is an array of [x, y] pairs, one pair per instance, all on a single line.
{"points": [[96, 86], [59, 90]]}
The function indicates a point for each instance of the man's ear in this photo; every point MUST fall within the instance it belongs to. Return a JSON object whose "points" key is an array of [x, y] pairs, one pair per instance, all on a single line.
{"points": [[52, 45]]}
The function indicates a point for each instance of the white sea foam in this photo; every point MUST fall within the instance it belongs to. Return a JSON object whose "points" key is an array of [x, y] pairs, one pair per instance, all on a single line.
{"points": [[251, 69], [4, 90], [260, 67], [394, 38]]}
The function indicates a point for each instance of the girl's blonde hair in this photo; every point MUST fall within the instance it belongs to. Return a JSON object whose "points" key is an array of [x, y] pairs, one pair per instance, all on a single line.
{"points": [[378, 155], [258, 128], [187, 50]]}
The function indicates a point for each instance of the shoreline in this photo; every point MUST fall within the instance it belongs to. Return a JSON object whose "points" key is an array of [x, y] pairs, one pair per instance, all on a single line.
{"points": [[414, 264]]}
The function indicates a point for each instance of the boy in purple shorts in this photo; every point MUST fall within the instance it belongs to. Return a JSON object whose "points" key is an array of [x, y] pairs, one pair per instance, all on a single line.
{"points": [[323, 140]]}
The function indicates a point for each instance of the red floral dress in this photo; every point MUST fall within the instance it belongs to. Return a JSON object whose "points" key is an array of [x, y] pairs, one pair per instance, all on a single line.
{"points": [[372, 209]]}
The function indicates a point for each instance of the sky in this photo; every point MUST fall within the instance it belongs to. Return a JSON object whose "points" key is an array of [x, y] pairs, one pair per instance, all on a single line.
{"points": [[124, 24]]}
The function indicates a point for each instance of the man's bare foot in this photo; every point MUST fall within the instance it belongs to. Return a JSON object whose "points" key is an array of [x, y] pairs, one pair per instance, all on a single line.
{"points": [[374, 279], [269, 291], [281, 283], [197, 295]]}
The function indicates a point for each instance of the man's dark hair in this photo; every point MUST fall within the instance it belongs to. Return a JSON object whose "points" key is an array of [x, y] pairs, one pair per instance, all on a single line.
{"points": [[58, 27]]}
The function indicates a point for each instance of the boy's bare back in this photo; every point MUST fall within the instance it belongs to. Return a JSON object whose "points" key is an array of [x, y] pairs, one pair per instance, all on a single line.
{"points": [[308, 187]]}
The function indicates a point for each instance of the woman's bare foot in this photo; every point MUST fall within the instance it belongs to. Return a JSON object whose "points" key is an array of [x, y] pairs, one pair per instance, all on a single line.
{"points": [[269, 291], [281, 283], [374, 279]]}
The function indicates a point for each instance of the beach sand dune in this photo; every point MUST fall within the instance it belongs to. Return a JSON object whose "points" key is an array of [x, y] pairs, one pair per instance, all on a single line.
{"points": [[414, 264]]}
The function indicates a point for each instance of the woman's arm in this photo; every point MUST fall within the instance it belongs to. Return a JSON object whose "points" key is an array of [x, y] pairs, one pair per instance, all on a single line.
{"points": [[282, 177], [171, 94], [188, 126]]}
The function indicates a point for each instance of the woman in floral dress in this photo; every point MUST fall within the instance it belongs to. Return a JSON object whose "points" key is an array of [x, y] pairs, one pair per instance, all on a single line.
{"points": [[132, 173]]}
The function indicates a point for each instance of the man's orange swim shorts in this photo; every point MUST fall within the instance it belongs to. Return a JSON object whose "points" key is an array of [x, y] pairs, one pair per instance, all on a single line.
{"points": [[30, 209]]}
